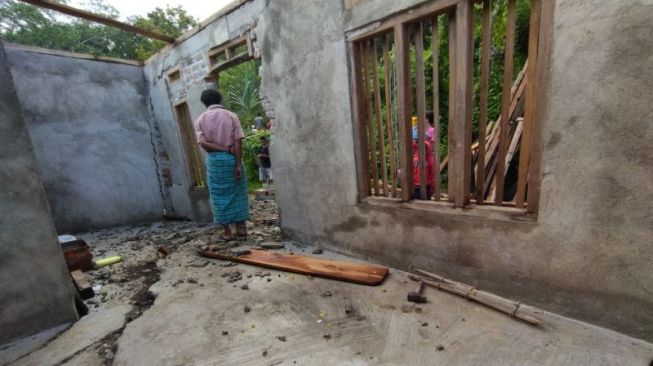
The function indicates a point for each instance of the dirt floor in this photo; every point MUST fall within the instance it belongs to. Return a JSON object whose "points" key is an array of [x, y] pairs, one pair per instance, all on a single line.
{"points": [[182, 309]]}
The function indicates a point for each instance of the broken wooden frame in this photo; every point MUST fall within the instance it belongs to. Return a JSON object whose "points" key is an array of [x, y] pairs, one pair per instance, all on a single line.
{"points": [[387, 94], [231, 53], [194, 161], [69, 10]]}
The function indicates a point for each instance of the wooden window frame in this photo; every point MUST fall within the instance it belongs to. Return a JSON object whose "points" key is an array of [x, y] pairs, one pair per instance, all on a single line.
{"points": [[461, 98], [227, 50], [188, 144]]}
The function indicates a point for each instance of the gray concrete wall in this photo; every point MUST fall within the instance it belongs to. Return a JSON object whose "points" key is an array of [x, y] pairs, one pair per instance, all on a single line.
{"points": [[92, 135], [36, 291], [191, 56], [588, 254]]}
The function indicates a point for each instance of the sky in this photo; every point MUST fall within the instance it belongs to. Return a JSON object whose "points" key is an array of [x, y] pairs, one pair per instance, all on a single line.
{"points": [[200, 9]]}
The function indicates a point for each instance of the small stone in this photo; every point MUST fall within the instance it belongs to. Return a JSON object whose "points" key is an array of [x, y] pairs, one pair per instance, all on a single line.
{"points": [[109, 355], [281, 338], [317, 251], [244, 287], [247, 309], [265, 353], [439, 347], [424, 324], [269, 279], [327, 336], [463, 319], [224, 332], [191, 280]]}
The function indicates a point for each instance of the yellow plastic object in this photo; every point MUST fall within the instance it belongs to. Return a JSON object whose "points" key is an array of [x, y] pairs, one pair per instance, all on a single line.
{"points": [[414, 121], [108, 261]]}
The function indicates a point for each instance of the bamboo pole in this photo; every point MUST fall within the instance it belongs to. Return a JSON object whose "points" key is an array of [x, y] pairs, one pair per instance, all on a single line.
{"points": [[496, 302]]}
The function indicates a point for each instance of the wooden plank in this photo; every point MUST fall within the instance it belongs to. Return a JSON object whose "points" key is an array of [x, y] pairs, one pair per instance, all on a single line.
{"points": [[435, 49], [525, 149], [403, 110], [462, 157], [370, 119], [388, 108], [82, 284], [69, 10], [451, 135], [486, 32], [539, 115], [364, 274], [420, 96], [362, 158], [505, 101], [379, 117]]}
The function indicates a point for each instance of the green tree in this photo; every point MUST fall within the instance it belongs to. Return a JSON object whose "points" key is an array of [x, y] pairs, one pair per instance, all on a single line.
{"points": [[29, 25], [240, 87]]}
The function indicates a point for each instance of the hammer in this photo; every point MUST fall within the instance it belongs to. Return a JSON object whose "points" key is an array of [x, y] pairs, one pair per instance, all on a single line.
{"points": [[417, 296]]}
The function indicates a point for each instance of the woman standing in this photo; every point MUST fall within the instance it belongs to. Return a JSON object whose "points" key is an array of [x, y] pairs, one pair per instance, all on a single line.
{"points": [[220, 134]]}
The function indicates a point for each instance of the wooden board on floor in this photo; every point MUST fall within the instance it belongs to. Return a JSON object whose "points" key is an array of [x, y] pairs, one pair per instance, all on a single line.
{"points": [[83, 285], [364, 274]]}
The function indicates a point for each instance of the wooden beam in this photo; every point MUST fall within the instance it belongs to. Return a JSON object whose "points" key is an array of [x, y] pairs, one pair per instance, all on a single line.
{"points": [[388, 108], [420, 97], [366, 114], [69, 10], [435, 52], [539, 115], [370, 116], [486, 32], [379, 117], [525, 149], [505, 101], [362, 159], [462, 157], [452, 110], [402, 48]]}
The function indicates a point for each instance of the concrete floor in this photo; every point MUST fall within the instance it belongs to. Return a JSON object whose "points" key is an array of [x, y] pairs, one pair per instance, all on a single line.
{"points": [[320, 322]]}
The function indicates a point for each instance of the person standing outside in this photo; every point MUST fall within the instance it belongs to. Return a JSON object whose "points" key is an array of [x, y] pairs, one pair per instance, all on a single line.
{"points": [[220, 134], [259, 122], [264, 163]]}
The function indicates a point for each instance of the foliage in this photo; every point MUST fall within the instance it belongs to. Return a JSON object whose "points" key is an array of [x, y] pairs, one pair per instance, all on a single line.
{"points": [[29, 25], [251, 144], [240, 87]]}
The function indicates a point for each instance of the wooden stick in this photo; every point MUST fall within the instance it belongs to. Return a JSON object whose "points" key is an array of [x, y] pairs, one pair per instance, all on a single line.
{"points": [[525, 147], [486, 30], [388, 108], [505, 101], [69, 10], [421, 107], [493, 301], [452, 102], [435, 52], [370, 119], [404, 110], [379, 117], [366, 113], [362, 157]]}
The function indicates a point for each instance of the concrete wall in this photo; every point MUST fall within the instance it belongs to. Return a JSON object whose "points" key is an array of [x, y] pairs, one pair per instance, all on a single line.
{"points": [[35, 288], [588, 254], [190, 54], [92, 135]]}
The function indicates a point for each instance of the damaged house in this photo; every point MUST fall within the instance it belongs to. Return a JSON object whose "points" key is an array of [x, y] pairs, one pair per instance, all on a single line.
{"points": [[537, 214]]}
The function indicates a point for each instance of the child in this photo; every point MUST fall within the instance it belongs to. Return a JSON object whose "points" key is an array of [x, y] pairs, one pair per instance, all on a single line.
{"points": [[264, 164]]}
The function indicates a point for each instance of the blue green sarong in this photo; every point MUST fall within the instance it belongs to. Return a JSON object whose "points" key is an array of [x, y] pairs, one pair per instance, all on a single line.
{"points": [[228, 196]]}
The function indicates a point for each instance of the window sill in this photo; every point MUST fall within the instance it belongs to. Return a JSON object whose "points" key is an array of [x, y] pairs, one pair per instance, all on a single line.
{"points": [[511, 214]]}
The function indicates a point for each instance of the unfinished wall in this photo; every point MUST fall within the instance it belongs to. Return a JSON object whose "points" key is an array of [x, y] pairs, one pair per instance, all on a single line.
{"points": [[90, 126], [36, 292], [588, 255], [190, 54]]}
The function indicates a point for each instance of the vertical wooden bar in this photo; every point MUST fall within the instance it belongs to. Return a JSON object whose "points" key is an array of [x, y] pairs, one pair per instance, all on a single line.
{"points": [[379, 117], [541, 82], [370, 118], [403, 109], [486, 31], [366, 122], [525, 147], [452, 110], [388, 107], [505, 102], [435, 49], [462, 157], [358, 103], [421, 107]]}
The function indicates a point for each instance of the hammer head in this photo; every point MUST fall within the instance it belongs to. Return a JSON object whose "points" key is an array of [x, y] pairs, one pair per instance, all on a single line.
{"points": [[416, 297]]}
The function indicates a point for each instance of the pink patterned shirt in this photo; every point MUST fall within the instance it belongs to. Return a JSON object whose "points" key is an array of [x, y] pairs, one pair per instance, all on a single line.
{"points": [[219, 126]]}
